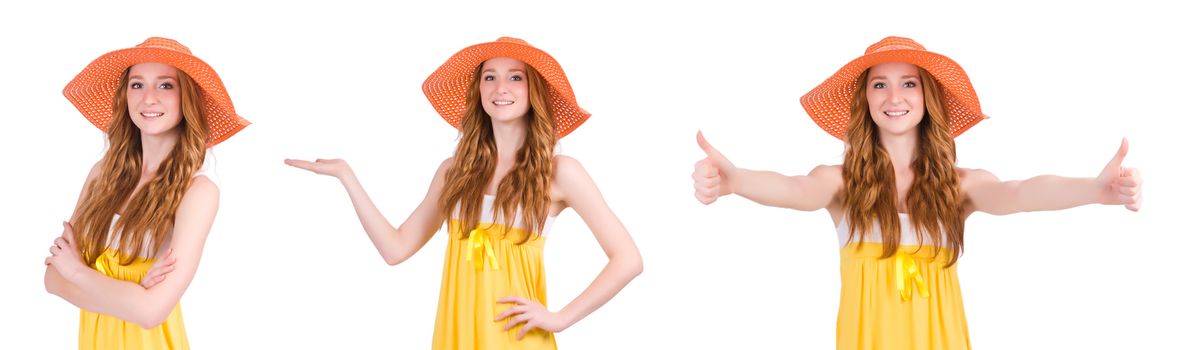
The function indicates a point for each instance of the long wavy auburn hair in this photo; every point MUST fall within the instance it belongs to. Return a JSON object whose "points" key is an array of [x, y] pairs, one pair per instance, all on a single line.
{"points": [[149, 216], [526, 186], [934, 202]]}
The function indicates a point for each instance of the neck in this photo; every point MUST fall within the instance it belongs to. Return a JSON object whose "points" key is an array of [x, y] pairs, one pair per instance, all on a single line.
{"points": [[509, 137], [156, 148], [901, 149]]}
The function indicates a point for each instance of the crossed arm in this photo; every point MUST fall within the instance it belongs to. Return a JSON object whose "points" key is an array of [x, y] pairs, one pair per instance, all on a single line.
{"points": [[67, 277]]}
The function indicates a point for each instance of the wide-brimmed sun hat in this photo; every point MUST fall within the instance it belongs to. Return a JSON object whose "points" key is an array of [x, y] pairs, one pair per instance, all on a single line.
{"points": [[828, 104], [92, 91], [446, 88]]}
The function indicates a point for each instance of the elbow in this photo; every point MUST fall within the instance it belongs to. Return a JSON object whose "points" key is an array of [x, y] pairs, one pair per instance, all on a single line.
{"points": [[53, 286], [633, 265], [394, 260], [154, 315]]}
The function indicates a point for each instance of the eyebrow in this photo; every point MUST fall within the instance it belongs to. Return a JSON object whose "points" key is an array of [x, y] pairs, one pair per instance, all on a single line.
{"points": [[901, 78], [510, 70], [160, 77]]}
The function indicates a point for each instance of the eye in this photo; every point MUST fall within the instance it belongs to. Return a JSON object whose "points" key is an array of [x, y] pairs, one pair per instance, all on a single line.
{"points": [[909, 84], [488, 78], [136, 85], [879, 85], [166, 86], [516, 78]]}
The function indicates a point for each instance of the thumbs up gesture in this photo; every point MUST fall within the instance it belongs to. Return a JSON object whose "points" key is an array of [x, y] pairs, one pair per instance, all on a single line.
{"points": [[713, 174], [1121, 185]]}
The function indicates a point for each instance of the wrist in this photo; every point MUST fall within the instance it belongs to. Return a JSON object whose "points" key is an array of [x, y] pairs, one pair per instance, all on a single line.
{"points": [[73, 272], [566, 318], [735, 181]]}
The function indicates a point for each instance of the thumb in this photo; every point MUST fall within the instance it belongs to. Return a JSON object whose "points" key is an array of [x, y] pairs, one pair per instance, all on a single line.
{"points": [[712, 153], [1118, 159], [68, 232]]}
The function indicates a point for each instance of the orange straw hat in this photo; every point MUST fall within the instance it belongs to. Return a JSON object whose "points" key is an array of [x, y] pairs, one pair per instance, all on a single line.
{"points": [[446, 88], [829, 103], [92, 91]]}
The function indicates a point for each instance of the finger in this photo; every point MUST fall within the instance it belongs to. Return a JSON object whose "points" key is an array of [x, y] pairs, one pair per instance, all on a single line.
{"points": [[1135, 205], [302, 164], [517, 300], [54, 250], [522, 318], [48, 261], [704, 199], [1126, 182], [68, 232], [509, 312], [157, 280], [705, 170], [167, 258], [524, 330]]}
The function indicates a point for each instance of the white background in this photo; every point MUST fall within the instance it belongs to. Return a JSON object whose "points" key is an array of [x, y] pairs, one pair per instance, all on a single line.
{"points": [[288, 266]]}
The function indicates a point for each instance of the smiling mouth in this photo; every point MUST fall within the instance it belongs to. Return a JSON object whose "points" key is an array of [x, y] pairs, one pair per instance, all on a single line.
{"points": [[151, 115], [896, 113], [502, 103]]}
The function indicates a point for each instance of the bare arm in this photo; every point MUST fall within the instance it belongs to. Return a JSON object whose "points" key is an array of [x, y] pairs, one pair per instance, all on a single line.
{"points": [[130, 301], [1114, 185], [716, 176], [395, 245], [57, 285], [624, 259]]}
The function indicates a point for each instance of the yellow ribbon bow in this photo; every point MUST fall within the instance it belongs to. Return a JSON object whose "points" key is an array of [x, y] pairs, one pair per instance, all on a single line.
{"points": [[479, 243], [906, 273]]}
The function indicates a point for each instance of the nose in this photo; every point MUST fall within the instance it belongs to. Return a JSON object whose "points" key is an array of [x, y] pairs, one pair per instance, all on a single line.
{"points": [[503, 87], [150, 96], [894, 96]]}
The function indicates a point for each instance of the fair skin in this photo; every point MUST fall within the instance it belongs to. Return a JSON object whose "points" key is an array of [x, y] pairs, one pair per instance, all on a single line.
{"points": [[153, 98], [504, 93], [896, 104]]}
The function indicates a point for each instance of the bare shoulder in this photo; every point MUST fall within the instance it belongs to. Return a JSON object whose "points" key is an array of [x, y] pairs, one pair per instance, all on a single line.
{"points": [[95, 172], [445, 166], [202, 189], [968, 178], [826, 171], [569, 178], [566, 167]]}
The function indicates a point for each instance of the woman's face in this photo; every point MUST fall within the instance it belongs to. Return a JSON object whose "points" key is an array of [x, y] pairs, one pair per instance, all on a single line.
{"points": [[504, 89], [895, 96], [153, 97]]}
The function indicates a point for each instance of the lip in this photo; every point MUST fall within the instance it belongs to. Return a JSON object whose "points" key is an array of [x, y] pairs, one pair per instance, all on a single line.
{"points": [[151, 114], [896, 113], [502, 103]]}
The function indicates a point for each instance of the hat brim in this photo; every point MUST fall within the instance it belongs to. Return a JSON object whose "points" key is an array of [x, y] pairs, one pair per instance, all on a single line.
{"points": [[447, 87], [828, 104], [93, 89]]}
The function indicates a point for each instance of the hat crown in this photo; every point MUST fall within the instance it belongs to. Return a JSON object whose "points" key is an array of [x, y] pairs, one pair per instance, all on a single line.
{"points": [[894, 43], [505, 39], [164, 43]]}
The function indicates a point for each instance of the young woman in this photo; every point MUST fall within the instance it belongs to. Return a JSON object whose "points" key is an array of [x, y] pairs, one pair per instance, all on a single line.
{"points": [[499, 194], [898, 201], [147, 205]]}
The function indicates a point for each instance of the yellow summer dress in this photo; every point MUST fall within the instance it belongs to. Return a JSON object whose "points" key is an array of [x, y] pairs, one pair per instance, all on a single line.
{"points": [[487, 266], [907, 301], [100, 331]]}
